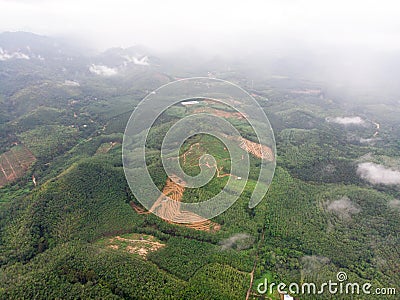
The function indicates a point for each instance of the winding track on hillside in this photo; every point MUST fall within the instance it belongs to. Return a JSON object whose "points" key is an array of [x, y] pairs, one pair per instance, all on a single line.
{"points": [[174, 187], [167, 209]]}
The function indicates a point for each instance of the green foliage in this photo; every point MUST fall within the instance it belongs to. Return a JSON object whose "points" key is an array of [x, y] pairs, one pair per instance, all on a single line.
{"points": [[314, 155], [85, 202], [183, 257], [51, 235], [48, 141], [40, 116], [215, 281], [76, 270]]}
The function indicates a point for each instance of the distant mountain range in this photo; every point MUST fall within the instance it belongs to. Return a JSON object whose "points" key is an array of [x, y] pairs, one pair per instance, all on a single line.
{"points": [[349, 72], [22, 49]]}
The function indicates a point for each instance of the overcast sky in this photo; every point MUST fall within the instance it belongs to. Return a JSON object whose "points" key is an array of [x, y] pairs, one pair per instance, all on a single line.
{"points": [[208, 23]]}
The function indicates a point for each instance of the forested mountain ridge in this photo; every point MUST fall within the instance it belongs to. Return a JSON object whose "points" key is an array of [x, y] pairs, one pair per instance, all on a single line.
{"points": [[68, 224]]}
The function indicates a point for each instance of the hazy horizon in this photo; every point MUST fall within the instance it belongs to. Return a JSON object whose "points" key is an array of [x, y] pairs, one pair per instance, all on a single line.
{"points": [[355, 44], [210, 27]]}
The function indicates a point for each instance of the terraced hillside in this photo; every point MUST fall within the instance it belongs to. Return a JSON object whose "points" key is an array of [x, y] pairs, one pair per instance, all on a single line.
{"points": [[14, 164], [82, 234]]}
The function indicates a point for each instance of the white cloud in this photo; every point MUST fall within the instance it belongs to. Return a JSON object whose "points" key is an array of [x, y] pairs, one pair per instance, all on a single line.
{"points": [[144, 61], [368, 141], [347, 120], [71, 83], [237, 241], [312, 264], [394, 204], [103, 70], [156, 23], [343, 208], [378, 174], [4, 55]]}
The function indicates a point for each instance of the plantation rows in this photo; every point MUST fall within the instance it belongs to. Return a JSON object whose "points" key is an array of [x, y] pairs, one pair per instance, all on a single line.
{"points": [[14, 164]]}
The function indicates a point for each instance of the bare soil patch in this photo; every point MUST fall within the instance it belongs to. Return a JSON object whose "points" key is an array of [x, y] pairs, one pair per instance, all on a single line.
{"points": [[106, 147], [260, 151], [168, 210], [135, 244], [220, 113], [14, 164]]}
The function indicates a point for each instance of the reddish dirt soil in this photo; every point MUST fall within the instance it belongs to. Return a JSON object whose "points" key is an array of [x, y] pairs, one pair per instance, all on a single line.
{"points": [[220, 113], [135, 246], [14, 164], [172, 209], [260, 151]]}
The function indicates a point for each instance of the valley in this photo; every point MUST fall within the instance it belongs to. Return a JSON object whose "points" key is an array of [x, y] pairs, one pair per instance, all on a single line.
{"points": [[77, 230]]}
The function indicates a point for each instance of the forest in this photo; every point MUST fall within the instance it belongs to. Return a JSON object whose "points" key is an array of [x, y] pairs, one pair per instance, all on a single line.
{"points": [[71, 228]]}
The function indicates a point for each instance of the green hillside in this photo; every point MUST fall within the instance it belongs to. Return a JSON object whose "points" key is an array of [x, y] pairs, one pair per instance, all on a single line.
{"points": [[71, 228]]}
